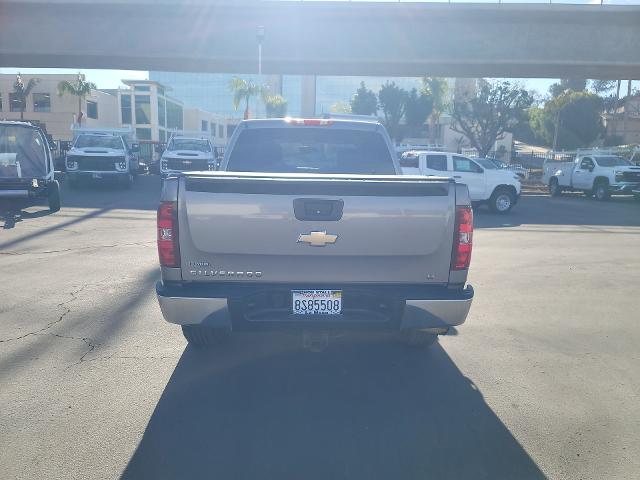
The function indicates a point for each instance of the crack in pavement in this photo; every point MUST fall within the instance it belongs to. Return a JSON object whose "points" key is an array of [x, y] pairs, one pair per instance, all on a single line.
{"points": [[67, 310], [79, 248], [91, 344], [129, 357]]}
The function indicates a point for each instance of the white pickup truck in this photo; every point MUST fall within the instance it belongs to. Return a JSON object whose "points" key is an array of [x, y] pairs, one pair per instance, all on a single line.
{"points": [[593, 174], [498, 188], [185, 153]]}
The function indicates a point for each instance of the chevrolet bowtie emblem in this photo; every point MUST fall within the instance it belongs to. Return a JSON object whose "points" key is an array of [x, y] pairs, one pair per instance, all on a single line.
{"points": [[317, 239]]}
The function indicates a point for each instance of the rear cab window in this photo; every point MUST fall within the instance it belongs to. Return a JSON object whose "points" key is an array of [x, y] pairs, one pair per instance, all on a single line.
{"points": [[323, 150]]}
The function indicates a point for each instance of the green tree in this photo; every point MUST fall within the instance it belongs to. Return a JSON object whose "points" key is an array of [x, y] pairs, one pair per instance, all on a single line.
{"points": [[80, 88], [243, 91], [484, 117], [438, 89], [393, 102], [418, 108], [577, 116], [575, 84], [602, 86], [22, 91], [364, 102], [275, 105]]}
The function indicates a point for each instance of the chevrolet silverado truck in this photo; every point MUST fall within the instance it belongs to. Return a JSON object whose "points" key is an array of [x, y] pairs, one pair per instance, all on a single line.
{"points": [[186, 152], [598, 175], [102, 155], [310, 226]]}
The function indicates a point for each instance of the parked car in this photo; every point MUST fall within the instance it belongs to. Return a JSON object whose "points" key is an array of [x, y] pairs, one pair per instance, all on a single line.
{"points": [[185, 153], [516, 168], [26, 165], [500, 189], [597, 175], [310, 226], [102, 155]]}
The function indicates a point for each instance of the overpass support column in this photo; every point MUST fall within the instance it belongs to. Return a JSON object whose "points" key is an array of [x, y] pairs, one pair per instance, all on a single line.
{"points": [[308, 96]]}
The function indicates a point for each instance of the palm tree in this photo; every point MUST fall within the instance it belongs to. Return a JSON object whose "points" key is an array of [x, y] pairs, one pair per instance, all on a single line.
{"points": [[275, 105], [437, 88], [22, 91], [80, 88], [243, 90]]}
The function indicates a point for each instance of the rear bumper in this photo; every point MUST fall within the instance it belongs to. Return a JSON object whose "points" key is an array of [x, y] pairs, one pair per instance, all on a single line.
{"points": [[217, 306]]}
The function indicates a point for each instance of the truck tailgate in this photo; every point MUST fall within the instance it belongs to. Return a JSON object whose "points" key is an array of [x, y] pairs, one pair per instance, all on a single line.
{"points": [[260, 228]]}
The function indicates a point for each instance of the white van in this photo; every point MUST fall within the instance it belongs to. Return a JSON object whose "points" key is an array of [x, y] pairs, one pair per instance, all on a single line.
{"points": [[498, 188]]}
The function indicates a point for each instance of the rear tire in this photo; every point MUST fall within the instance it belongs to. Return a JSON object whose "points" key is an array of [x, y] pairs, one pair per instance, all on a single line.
{"points": [[601, 190], [502, 200], [418, 338], [554, 188], [53, 196], [202, 337]]}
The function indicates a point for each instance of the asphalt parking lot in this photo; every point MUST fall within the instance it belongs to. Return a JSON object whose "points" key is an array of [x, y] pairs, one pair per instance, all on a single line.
{"points": [[543, 381]]}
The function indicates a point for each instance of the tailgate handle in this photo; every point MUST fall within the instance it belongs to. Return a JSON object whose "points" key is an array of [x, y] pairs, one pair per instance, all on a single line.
{"points": [[309, 209]]}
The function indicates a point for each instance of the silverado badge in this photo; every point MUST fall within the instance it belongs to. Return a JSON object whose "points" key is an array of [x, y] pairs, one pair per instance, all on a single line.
{"points": [[317, 239]]}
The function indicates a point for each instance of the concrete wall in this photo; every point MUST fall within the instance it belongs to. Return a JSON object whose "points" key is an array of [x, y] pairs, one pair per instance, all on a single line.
{"points": [[326, 38], [63, 110]]}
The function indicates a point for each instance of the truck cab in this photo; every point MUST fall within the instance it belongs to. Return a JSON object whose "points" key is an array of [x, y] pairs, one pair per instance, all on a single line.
{"points": [[185, 153], [496, 187], [102, 155]]}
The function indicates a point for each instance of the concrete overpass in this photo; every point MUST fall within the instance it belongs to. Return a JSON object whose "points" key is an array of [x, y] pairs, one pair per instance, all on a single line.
{"points": [[324, 38]]}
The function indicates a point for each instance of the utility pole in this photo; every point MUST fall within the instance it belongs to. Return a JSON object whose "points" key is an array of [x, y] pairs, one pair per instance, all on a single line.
{"points": [[260, 37], [555, 134]]}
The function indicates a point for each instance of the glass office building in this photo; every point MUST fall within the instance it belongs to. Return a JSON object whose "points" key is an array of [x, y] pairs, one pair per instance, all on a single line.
{"points": [[207, 91], [211, 92]]}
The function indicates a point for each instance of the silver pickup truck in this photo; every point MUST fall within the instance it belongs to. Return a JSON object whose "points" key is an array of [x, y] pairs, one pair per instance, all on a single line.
{"points": [[310, 226]]}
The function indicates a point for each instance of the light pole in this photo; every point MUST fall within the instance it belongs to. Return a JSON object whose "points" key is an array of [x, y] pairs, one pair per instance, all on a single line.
{"points": [[260, 37]]}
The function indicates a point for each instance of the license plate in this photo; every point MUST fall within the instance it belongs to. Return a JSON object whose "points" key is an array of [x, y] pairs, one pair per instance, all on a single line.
{"points": [[317, 302], [97, 175]]}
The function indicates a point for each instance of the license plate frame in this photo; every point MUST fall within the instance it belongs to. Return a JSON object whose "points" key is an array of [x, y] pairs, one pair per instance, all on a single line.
{"points": [[316, 302]]}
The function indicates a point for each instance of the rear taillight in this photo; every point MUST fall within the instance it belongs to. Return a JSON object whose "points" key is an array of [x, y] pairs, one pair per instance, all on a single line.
{"points": [[463, 239], [168, 247]]}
